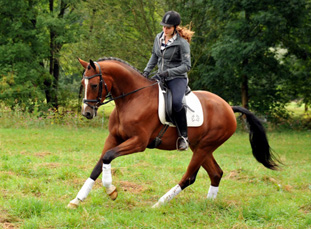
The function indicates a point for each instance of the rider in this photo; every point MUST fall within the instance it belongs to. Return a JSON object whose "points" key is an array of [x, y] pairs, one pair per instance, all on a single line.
{"points": [[171, 52]]}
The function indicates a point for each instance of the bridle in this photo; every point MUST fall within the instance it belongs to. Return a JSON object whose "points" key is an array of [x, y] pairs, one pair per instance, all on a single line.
{"points": [[99, 96], [97, 101]]}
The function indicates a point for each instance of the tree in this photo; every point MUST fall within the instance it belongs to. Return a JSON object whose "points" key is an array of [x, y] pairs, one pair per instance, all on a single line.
{"points": [[234, 49], [21, 50], [35, 33], [123, 29], [243, 50], [62, 24], [298, 57]]}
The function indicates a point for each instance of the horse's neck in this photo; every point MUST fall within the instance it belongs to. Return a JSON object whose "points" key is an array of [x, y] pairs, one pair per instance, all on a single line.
{"points": [[126, 81]]}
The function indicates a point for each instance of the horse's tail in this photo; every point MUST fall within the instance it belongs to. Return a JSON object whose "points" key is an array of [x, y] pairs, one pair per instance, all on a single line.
{"points": [[258, 139]]}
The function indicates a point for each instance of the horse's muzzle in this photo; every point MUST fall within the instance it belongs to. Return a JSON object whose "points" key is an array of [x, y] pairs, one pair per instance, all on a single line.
{"points": [[89, 113]]}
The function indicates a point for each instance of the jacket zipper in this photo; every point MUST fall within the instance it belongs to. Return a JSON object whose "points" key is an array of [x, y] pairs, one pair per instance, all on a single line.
{"points": [[163, 60]]}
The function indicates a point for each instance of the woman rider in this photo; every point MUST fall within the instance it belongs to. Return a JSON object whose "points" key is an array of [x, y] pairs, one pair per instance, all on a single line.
{"points": [[171, 52]]}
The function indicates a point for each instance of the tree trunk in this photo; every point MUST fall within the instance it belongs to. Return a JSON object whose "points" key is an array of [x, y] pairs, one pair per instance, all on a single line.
{"points": [[244, 87], [52, 85]]}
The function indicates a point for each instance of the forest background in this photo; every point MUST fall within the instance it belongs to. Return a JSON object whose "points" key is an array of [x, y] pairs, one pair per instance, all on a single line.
{"points": [[251, 53]]}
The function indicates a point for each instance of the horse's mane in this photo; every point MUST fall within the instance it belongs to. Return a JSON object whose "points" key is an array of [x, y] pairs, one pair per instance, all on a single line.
{"points": [[121, 61]]}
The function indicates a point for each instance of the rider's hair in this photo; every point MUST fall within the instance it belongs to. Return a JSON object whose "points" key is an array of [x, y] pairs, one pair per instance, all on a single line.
{"points": [[185, 32]]}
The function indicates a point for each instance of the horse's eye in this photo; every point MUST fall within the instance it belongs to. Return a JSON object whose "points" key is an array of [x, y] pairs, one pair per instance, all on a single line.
{"points": [[94, 86]]}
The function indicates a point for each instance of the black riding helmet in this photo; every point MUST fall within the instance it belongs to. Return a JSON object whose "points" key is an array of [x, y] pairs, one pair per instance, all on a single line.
{"points": [[171, 18]]}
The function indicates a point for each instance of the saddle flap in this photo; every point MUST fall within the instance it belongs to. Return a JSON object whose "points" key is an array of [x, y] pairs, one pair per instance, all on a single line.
{"points": [[168, 98]]}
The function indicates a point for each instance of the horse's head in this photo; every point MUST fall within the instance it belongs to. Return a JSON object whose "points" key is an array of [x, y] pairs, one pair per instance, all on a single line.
{"points": [[95, 88]]}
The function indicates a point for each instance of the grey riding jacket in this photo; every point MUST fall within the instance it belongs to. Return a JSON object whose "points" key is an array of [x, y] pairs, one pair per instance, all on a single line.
{"points": [[174, 59]]}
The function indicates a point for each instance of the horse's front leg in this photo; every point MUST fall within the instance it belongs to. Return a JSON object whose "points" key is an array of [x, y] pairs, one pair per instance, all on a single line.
{"points": [[132, 145], [111, 190], [88, 184]]}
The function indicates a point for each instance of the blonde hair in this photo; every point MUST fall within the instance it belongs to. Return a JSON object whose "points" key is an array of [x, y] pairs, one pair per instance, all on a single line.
{"points": [[185, 32]]}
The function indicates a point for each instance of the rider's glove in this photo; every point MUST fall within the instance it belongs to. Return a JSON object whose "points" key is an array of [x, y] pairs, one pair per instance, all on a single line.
{"points": [[146, 74], [163, 75], [160, 76]]}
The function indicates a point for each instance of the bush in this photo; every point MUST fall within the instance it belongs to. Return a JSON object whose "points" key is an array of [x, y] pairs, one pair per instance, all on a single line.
{"points": [[18, 118]]}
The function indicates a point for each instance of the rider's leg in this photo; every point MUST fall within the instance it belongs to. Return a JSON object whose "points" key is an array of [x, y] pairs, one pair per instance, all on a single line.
{"points": [[181, 123], [178, 88]]}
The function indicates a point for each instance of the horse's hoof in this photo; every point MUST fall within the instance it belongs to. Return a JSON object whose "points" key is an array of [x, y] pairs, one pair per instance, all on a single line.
{"points": [[114, 194], [72, 206], [157, 205]]}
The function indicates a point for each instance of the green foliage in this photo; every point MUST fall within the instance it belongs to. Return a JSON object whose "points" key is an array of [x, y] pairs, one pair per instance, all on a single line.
{"points": [[124, 29], [299, 60], [20, 55], [237, 40], [39, 118], [25, 49], [244, 48], [263, 43]]}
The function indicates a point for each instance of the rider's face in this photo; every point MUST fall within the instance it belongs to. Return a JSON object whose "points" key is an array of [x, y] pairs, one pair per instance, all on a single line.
{"points": [[168, 30]]}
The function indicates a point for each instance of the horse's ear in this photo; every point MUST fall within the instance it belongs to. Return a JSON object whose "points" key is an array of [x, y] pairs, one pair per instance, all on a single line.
{"points": [[83, 63], [92, 65]]}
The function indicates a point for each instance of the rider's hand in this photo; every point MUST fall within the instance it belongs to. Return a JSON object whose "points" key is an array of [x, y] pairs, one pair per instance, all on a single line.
{"points": [[163, 75], [146, 74], [156, 77], [160, 76]]}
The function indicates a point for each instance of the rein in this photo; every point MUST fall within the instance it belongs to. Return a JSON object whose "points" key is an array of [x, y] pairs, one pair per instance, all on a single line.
{"points": [[109, 95], [124, 95]]}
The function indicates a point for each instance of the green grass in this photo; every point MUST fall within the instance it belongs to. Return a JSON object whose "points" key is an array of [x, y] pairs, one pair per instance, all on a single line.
{"points": [[42, 169]]}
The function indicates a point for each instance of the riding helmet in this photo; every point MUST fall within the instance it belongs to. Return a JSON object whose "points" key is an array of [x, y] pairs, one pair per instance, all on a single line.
{"points": [[171, 18]]}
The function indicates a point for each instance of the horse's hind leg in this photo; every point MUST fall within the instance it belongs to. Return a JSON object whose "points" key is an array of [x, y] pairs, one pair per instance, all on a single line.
{"points": [[187, 179], [215, 174]]}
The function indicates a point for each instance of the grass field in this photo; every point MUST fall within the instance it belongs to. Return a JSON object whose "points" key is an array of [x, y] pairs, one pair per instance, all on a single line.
{"points": [[42, 169]]}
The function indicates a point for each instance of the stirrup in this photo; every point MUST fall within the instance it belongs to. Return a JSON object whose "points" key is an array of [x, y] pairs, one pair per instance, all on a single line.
{"points": [[185, 139]]}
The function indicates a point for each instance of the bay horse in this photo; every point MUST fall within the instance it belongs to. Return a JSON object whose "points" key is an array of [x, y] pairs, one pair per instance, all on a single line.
{"points": [[134, 124]]}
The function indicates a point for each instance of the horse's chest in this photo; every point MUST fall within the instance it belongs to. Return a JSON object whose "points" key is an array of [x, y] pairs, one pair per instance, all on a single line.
{"points": [[127, 129]]}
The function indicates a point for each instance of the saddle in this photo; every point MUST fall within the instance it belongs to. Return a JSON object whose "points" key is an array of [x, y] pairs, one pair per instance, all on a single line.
{"points": [[168, 103], [194, 111]]}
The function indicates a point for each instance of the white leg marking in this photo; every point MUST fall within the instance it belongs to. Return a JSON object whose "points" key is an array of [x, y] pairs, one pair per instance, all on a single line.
{"points": [[107, 179], [168, 196], [212, 192]]}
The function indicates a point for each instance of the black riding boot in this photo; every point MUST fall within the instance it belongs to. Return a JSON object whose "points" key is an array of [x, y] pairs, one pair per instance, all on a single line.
{"points": [[181, 124]]}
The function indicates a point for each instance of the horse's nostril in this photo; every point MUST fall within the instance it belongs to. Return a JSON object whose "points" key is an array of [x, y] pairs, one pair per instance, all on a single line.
{"points": [[88, 115]]}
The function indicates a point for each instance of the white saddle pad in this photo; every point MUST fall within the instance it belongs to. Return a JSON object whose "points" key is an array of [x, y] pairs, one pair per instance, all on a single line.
{"points": [[194, 110]]}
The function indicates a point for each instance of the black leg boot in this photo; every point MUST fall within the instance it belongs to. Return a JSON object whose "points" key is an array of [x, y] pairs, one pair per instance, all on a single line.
{"points": [[181, 124]]}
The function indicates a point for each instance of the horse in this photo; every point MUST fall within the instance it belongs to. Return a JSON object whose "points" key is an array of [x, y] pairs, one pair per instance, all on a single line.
{"points": [[134, 124]]}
